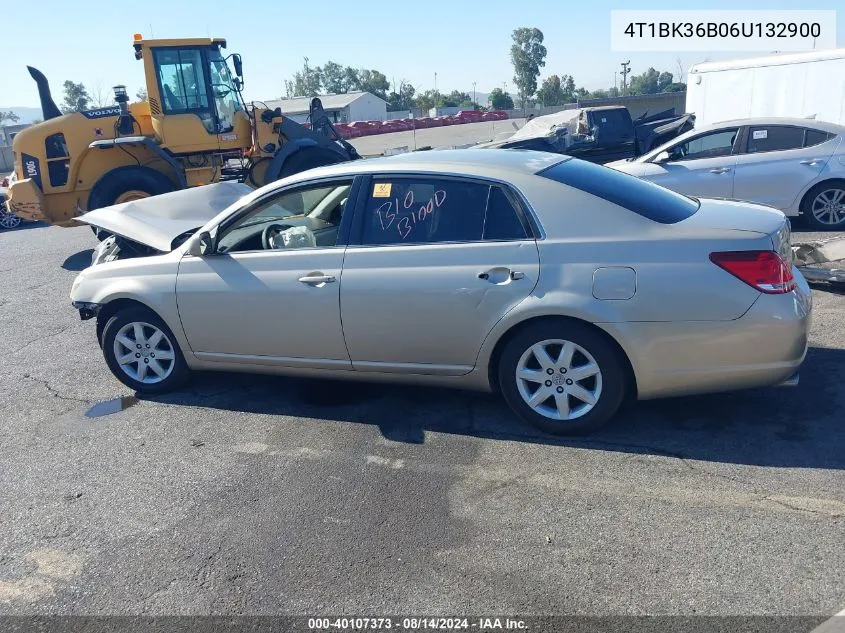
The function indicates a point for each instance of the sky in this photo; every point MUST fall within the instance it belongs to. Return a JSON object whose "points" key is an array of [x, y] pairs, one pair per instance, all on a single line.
{"points": [[462, 41]]}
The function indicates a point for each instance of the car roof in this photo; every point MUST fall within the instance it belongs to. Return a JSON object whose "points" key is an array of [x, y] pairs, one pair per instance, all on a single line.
{"points": [[466, 162], [825, 126]]}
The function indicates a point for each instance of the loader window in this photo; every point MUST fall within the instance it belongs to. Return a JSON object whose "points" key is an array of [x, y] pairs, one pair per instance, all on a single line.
{"points": [[183, 83], [223, 90], [58, 159]]}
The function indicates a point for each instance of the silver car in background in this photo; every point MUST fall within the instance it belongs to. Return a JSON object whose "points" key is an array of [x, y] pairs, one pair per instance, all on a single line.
{"points": [[795, 165], [566, 286]]}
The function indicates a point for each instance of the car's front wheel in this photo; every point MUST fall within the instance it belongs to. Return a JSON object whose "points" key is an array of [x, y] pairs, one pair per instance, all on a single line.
{"points": [[142, 352], [562, 377]]}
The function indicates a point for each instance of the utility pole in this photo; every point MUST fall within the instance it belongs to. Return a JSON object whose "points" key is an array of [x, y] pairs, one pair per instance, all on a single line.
{"points": [[473, 94], [625, 71]]}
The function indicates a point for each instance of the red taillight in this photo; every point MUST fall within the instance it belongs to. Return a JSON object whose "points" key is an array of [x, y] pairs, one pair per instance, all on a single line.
{"points": [[763, 270]]}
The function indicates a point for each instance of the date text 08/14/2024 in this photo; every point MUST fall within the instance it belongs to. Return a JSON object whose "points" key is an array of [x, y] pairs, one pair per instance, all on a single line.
{"points": [[416, 624]]}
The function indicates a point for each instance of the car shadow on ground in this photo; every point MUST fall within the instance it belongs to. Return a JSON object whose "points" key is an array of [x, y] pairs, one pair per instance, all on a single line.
{"points": [[789, 427], [78, 261]]}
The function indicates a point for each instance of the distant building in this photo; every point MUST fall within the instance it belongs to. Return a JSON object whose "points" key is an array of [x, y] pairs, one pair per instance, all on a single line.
{"points": [[342, 108], [8, 132]]}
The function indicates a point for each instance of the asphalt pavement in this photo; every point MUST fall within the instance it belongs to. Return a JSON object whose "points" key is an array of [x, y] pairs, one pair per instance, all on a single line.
{"points": [[264, 495]]}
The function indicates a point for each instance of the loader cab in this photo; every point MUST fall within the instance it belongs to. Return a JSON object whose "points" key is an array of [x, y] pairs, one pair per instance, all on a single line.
{"points": [[193, 96]]}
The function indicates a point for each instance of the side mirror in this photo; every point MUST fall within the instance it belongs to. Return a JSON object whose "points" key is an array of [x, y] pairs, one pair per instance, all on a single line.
{"points": [[238, 64], [205, 244], [662, 157]]}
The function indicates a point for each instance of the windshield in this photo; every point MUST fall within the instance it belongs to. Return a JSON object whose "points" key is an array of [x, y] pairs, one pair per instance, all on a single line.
{"points": [[223, 89]]}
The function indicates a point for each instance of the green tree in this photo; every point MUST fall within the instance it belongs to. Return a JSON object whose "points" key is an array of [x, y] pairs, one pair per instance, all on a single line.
{"points": [[500, 100], [374, 82], [550, 93], [305, 82], [455, 99], [650, 82], [528, 55], [425, 100], [141, 95], [76, 97], [338, 79], [8, 116], [675, 87], [402, 100]]}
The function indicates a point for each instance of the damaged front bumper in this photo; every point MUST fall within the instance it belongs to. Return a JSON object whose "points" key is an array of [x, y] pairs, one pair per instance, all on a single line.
{"points": [[86, 310]]}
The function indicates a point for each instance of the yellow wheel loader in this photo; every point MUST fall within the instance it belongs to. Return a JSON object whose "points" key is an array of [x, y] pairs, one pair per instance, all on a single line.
{"points": [[193, 129]]}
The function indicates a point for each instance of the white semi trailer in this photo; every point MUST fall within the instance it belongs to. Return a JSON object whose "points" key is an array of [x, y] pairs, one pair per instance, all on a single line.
{"points": [[803, 85]]}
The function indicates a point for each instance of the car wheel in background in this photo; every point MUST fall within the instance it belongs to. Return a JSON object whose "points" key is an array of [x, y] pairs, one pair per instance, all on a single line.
{"points": [[823, 207], [562, 377], [142, 352], [9, 220]]}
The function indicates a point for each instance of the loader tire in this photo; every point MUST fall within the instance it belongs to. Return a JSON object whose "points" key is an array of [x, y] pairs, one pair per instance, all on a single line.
{"points": [[128, 183], [309, 158]]}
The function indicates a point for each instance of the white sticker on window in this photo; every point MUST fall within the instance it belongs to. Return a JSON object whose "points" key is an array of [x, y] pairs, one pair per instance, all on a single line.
{"points": [[758, 134]]}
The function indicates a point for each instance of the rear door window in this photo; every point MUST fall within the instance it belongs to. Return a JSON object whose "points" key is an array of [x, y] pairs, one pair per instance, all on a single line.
{"points": [[640, 196], [503, 221], [815, 137], [772, 138], [419, 210]]}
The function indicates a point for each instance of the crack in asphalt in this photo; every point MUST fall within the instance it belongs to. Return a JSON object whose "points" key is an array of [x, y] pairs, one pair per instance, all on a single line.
{"points": [[40, 338], [55, 392]]}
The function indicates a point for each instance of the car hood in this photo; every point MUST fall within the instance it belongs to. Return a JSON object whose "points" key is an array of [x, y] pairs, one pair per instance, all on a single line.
{"points": [[158, 220]]}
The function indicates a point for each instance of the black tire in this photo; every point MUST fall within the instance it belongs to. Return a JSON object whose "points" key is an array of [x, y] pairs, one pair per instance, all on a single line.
{"points": [[178, 374], [309, 158], [612, 373], [807, 206], [118, 181]]}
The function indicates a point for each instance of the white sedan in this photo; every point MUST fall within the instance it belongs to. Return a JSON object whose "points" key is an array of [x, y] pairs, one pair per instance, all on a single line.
{"points": [[795, 165]]}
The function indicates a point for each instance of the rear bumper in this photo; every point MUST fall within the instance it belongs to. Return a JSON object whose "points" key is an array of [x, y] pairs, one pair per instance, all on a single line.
{"points": [[764, 347]]}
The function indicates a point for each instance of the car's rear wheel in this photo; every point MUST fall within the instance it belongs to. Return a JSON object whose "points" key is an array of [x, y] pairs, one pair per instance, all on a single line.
{"points": [[562, 377], [142, 352], [824, 205]]}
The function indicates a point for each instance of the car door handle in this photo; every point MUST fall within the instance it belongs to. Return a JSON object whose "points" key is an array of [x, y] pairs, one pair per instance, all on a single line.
{"points": [[812, 161], [513, 274], [720, 170], [315, 280]]}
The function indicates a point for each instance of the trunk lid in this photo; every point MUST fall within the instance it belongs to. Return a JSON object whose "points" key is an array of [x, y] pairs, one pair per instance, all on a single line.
{"points": [[745, 216]]}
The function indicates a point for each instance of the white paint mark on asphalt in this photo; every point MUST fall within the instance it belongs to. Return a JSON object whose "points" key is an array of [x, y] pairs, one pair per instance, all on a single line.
{"points": [[251, 448], [395, 464], [52, 566], [836, 624]]}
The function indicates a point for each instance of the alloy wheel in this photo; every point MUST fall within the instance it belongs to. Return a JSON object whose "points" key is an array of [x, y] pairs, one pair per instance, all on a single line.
{"points": [[559, 379], [9, 220], [144, 352], [829, 206]]}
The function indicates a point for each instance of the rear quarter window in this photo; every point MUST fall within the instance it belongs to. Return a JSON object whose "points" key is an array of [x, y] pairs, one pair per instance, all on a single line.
{"points": [[639, 196]]}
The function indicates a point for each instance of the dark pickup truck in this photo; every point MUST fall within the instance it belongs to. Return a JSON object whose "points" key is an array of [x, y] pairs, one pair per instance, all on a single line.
{"points": [[599, 134]]}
